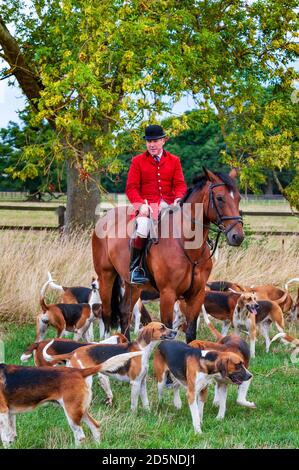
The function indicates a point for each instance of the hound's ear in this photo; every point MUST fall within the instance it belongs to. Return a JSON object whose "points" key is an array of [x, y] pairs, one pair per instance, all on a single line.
{"points": [[223, 367], [210, 175], [147, 334], [233, 173]]}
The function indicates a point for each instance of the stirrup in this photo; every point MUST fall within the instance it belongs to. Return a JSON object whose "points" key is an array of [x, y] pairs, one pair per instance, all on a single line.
{"points": [[138, 276]]}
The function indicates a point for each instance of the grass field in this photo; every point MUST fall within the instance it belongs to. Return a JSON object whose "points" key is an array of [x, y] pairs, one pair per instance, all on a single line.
{"points": [[254, 223], [28, 218], [25, 260], [273, 424]]}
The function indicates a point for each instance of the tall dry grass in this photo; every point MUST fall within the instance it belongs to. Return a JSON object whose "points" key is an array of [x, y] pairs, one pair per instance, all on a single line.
{"points": [[25, 258], [260, 261]]}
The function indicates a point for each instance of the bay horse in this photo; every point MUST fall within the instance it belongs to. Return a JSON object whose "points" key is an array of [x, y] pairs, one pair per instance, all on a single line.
{"points": [[178, 272]]}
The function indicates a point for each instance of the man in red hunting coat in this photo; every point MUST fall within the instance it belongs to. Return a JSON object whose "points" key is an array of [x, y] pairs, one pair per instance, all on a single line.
{"points": [[155, 180]]}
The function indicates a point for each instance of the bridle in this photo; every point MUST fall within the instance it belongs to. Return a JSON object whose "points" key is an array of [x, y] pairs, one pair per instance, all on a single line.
{"points": [[221, 218], [220, 227]]}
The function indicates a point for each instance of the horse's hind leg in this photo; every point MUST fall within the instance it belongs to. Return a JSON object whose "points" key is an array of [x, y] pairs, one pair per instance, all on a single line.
{"points": [[106, 281], [130, 298], [167, 301]]}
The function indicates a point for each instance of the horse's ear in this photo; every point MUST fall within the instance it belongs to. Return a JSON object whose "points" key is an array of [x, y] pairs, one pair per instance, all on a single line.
{"points": [[210, 175], [233, 173]]}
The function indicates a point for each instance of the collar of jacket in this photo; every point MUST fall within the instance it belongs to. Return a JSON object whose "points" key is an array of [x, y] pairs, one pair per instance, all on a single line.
{"points": [[162, 159]]}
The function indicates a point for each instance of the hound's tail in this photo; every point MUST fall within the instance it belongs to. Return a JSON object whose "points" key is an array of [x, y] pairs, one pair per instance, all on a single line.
{"points": [[285, 338], [295, 279], [42, 295], [57, 357], [111, 365], [29, 351], [53, 285], [282, 299], [211, 327]]}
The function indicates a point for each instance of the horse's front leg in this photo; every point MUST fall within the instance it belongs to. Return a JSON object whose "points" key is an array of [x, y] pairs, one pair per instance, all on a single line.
{"points": [[193, 309], [167, 301]]}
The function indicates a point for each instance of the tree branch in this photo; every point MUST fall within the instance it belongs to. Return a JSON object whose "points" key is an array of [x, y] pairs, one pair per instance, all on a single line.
{"points": [[23, 72]]}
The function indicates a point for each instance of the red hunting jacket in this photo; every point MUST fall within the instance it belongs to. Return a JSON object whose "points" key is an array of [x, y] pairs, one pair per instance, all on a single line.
{"points": [[154, 181]]}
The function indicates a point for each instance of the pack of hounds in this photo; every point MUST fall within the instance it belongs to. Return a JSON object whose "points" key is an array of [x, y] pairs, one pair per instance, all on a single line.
{"points": [[64, 367]]}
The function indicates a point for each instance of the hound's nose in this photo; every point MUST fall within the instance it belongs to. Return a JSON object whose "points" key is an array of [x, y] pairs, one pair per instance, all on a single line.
{"points": [[248, 376]]}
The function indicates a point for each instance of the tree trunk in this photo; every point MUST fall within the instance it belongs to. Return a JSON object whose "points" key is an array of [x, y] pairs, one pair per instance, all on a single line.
{"points": [[82, 200], [269, 188], [82, 196], [24, 72]]}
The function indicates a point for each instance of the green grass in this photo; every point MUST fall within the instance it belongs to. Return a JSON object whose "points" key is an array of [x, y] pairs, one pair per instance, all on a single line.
{"points": [[273, 424], [274, 224], [29, 218]]}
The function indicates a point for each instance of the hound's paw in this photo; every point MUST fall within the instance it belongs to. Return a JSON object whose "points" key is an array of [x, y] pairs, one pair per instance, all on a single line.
{"points": [[108, 402], [177, 404], [248, 404], [219, 417], [198, 430]]}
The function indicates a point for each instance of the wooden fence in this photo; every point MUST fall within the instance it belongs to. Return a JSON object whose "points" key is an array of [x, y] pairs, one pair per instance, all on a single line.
{"points": [[60, 211]]}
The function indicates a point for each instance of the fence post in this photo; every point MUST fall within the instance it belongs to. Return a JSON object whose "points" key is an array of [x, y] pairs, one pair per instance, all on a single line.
{"points": [[60, 212]]}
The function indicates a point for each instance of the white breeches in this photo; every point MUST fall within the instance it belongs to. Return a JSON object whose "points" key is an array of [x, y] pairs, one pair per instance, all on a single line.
{"points": [[143, 227]]}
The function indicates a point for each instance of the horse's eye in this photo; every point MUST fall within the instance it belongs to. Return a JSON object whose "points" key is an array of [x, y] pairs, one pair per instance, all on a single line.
{"points": [[220, 198]]}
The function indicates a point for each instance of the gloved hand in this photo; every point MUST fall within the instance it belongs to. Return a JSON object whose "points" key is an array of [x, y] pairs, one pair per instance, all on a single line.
{"points": [[177, 201], [144, 209]]}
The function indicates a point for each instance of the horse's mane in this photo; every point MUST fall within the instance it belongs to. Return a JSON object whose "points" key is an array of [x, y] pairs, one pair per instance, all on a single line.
{"points": [[200, 181]]}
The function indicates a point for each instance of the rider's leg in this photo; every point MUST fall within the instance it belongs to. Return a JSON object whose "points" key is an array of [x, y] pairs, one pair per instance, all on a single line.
{"points": [[138, 241]]}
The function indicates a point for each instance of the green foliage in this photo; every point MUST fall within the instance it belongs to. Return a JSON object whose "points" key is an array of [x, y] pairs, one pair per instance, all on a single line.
{"points": [[108, 67], [27, 157]]}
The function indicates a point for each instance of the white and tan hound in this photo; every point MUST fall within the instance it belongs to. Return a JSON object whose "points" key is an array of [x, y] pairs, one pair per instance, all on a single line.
{"points": [[134, 372]]}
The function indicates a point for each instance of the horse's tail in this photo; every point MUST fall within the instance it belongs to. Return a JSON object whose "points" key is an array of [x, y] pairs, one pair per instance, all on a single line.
{"points": [[116, 299]]}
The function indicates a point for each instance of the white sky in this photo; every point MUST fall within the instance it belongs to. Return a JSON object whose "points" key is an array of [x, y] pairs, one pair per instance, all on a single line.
{"points": [[12, 101]]}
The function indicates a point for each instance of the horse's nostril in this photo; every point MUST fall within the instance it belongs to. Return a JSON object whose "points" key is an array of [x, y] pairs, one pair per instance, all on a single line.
{"points": [[237, 237]]}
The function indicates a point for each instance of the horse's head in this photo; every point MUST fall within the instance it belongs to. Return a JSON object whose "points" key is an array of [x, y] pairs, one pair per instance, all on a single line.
{"points": [[221, 205]]}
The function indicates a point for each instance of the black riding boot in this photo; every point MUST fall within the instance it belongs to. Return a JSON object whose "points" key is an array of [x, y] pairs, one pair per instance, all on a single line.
{"points": [[137, 274]]}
